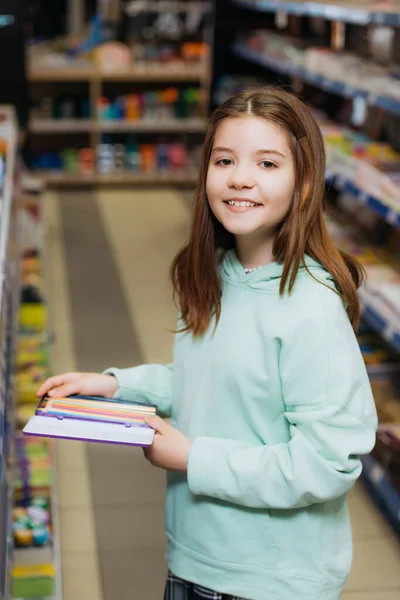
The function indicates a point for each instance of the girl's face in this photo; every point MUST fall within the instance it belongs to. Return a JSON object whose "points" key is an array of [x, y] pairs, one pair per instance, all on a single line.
{"points": [[251, 177]]}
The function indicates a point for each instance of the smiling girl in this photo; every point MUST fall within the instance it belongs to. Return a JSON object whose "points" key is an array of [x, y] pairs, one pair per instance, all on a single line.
{"points": [[270, 402]]}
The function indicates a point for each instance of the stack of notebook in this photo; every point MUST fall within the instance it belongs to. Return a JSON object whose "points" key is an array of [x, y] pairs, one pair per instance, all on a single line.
{"points": [[92, 419]]}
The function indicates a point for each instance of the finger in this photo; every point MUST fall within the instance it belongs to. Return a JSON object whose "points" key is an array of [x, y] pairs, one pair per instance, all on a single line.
{"points": [[65, 390], [52, 382], [156, 423]]}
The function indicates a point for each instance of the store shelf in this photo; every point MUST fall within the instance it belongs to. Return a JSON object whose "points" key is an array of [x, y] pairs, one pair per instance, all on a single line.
{"points": [[381, 490], [55, 126], [62, 73], [61, 179], [157, 73], [333, 86], [153, 126], [168, 6], [347, 186], [151, 73], [51, 554], [8, 310], [5, 592], [379, 318], [43, 598], [9, 130], [362, 15], [55, 509]]}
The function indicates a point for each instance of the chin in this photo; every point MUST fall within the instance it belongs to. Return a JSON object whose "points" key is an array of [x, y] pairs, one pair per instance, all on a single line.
{"points": [[240, 228]]}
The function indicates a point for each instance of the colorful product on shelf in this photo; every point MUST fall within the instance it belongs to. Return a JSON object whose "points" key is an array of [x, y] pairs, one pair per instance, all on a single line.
{"points": [[86, 161], [374, 167], [32, 350], [170, 103], [32, 469], [31, 525], [373, 353], [60, 107], [290, 55], [33, 581], [382, 285], [33, 573], [10, 182], [31, 363], [112, 58], [147, 158], [382, 361], [162, 157], [387, 451]]}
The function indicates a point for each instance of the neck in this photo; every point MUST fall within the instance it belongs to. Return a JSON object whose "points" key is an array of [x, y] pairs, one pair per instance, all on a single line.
{"points": [[255, 251]]}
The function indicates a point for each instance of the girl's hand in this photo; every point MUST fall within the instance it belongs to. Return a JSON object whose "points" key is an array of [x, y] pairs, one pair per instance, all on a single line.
{"points": [[170, 448], [87, 384]]}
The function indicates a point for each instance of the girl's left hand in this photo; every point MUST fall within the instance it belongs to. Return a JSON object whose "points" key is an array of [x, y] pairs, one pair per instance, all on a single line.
{"points": [[170, 448]]}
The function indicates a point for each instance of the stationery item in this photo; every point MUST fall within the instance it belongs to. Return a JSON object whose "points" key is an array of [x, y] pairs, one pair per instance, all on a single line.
{"points": [[177, 157], [103, 108], [70, 159], [162, 156], [133, 155], [105, 157], [86, 161], [119, 158], [147, 158], [92, 419], [132, 107], [33, 581], [150, 106], [120, 107]]}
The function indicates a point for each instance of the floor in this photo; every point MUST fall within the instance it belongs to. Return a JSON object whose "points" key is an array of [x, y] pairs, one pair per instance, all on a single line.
{"points": [[112, 305]]}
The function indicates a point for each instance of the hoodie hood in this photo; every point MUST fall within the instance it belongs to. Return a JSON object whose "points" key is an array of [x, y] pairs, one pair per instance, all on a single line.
{"points": [[268, 278]]}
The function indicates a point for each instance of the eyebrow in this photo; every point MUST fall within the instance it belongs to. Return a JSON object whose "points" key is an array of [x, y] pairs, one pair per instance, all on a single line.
{"points": [[222, 149], [270, 152], [258, 152]]}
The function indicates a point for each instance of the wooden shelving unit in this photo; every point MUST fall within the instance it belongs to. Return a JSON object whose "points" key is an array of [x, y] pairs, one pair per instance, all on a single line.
{"points": [[56, 126], [94, 127], [68, 75], [63, 179], [153, 73]]}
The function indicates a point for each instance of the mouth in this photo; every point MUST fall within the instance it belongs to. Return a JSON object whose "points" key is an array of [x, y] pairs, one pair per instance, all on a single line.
{"points": [[241, 205]]}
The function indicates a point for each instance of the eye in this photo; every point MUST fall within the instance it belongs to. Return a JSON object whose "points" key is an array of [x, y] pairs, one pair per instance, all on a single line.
{"points": [[224, 162], [267, 164]]}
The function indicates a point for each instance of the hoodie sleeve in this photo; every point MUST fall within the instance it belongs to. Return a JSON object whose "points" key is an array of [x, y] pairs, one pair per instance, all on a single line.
{"points": [[151, 384], [331, 415]]}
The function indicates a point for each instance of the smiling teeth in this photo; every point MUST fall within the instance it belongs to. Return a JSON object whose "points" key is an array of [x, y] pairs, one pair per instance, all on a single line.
{"points": [[242, 204]]}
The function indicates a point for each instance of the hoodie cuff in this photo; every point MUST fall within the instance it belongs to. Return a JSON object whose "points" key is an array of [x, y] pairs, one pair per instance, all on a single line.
{"points": [[118, 376]]}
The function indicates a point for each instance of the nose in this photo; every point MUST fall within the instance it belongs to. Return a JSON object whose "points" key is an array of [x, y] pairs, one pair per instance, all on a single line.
{"points": [[240, 177]]}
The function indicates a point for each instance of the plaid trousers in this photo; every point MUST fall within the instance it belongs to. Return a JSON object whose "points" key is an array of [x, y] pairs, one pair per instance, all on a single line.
{"points": [[179, 589]]}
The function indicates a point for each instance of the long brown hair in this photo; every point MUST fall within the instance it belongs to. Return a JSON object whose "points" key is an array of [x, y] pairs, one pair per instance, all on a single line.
{"points": [[194, 271]]}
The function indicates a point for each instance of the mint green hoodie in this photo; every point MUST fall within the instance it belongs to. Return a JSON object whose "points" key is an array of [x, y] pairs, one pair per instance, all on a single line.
{"points": [[279, 408]]}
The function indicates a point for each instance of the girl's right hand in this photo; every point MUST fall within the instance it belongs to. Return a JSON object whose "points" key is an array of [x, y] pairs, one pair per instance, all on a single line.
{"points": [[86, 384]]}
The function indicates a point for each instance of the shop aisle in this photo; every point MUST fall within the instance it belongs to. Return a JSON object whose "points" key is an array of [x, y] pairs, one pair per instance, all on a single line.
{"points": [[110, 253]]}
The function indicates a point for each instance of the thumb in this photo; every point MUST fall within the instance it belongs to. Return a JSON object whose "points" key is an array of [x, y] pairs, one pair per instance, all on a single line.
{"points": [[155, 422]]}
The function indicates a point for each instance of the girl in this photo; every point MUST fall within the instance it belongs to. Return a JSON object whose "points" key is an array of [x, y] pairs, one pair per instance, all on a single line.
{"points": [[270, 402]]}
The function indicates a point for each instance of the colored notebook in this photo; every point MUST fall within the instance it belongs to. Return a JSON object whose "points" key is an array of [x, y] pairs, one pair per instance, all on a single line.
{"points": [[92, 419]]}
